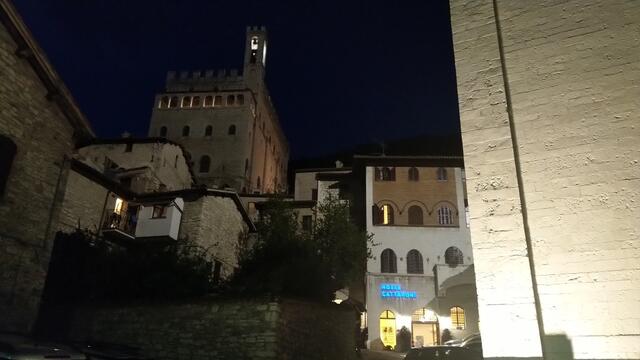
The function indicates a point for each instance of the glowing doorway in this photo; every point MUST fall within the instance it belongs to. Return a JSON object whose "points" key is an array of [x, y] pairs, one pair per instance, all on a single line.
{"points": [[424, 328], [388, 328]]}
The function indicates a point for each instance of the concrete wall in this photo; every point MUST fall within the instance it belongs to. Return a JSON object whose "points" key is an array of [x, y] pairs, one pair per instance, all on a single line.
{"points": [[573, 70], [224, 329], [28, 209]]}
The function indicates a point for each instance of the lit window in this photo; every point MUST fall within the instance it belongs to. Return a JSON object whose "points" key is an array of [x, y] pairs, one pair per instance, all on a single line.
{"points": [[186, 101], [240, 99], [159, 211], [217, 101], [164, 102], [457, 318], [231, 100], [185, 131], [415, 215], [208, 101], [424, 315], [163, 131], [173, 103], [442, 174], [196, 101], [208, 130], [453, 256], [232, 130], [388, 261], [445, 216], [118, 207], [414, 175], [254, 43], [387, 215], [205, 164], [414, 262]]}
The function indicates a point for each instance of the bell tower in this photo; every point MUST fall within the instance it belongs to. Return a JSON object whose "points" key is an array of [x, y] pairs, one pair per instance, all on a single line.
{"points": [[255, 53]]}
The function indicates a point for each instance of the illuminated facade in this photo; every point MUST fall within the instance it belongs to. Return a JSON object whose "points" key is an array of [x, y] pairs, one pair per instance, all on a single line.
{"points": [[227, 122], [421, 274], [549, 107]]}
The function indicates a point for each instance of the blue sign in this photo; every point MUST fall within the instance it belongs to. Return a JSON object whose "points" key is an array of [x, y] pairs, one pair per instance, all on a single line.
{"points": [[395, 291]]}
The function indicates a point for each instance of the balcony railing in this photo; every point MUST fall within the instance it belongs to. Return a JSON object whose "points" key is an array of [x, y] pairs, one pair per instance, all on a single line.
{"points": [[120, 222]]}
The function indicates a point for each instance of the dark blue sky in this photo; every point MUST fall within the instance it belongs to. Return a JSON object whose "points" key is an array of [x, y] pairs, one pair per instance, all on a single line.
{"points": [[339, 72]]}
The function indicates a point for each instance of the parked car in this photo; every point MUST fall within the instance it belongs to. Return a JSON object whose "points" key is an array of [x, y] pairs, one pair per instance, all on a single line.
{"points": [[458, 342], [443, 352], [473, 342], [107, 351], [18, 347]]}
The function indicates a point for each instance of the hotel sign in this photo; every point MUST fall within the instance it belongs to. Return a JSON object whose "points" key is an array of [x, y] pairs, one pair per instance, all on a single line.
{"points": [[395, 291]]}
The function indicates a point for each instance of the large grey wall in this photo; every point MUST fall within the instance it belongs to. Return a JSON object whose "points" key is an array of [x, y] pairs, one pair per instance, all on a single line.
{"points": [[573, 71]]}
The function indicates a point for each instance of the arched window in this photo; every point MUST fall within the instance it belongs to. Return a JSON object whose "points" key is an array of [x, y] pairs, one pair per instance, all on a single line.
{"points": [[457, 318], [208, 101], [414, 174], [232, 130], [163, 131], [7, 153], [240, 99], [414, 262], [231, 99], [415, 215], [208, 130], [164, 102], [453, 256], [445, 216], [205, 164], [173, 103], [217, 101], [186, 101], [388, 174], [442, 174], [387, 214], [388, 261], [196, 101], [185, 131]]}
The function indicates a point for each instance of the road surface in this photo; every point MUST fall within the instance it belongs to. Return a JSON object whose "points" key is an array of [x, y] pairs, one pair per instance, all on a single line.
{"points": [[381, 355]]}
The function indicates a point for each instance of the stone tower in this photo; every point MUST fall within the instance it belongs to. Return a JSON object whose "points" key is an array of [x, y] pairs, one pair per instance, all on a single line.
{"points": [[227, 122]]}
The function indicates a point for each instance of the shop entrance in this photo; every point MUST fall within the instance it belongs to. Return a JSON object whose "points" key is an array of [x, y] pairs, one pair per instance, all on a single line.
{"points": [[424, 328], [388, 328]]}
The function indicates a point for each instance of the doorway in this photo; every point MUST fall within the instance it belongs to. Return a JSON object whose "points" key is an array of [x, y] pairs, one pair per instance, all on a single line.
{"points": [[388, 328], [425, 330]]}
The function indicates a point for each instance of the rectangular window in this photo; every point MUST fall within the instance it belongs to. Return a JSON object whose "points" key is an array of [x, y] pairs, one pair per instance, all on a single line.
{"points": [[159, 211]]}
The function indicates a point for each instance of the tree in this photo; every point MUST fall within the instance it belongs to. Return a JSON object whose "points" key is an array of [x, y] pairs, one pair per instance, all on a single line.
{"points": [[285, 260]]}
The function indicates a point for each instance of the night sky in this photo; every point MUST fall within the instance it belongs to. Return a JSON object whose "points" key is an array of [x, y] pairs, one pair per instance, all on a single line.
{"points": [[340, 72]]}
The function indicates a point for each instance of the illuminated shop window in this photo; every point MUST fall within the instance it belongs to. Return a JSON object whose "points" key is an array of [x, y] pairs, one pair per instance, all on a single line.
{"points": [[457, 318], [205, 164], [416, 215], [414, 174], [173, 103], [442, 174], [186, 101], [453, 256], [388, 261], [388, 328], [208, 101], [164, 102], [445, 216], [414, 262]]}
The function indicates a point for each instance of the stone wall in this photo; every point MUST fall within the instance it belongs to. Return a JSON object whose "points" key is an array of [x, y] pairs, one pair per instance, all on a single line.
{"points": [[83, 204], [224, 329], [573, 72], [28, 207]]}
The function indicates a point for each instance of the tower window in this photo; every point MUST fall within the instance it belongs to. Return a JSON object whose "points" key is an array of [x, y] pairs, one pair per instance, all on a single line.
{"points": [[205, 164], [208, 101], [388, 261], [442, 174], [208, 130], [217, 101], [453, 256], [185, 131], [163, 131], [457, 318], [254, 43], [414, 175], [186, 101], [240, 99], [173, 103], [445, 216], [231, 100], [8, 151], [196, 101], [415, 215], [232, 130], [414, 262], [164, 102]]}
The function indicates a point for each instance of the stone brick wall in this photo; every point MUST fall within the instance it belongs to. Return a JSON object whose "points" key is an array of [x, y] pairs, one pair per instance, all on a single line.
{"points": [[224, 329], [83, 204], [27, 213], [574, 76]]}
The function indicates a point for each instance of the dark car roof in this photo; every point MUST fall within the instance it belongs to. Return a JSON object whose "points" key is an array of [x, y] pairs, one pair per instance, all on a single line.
{"points": [[442, 352]]}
